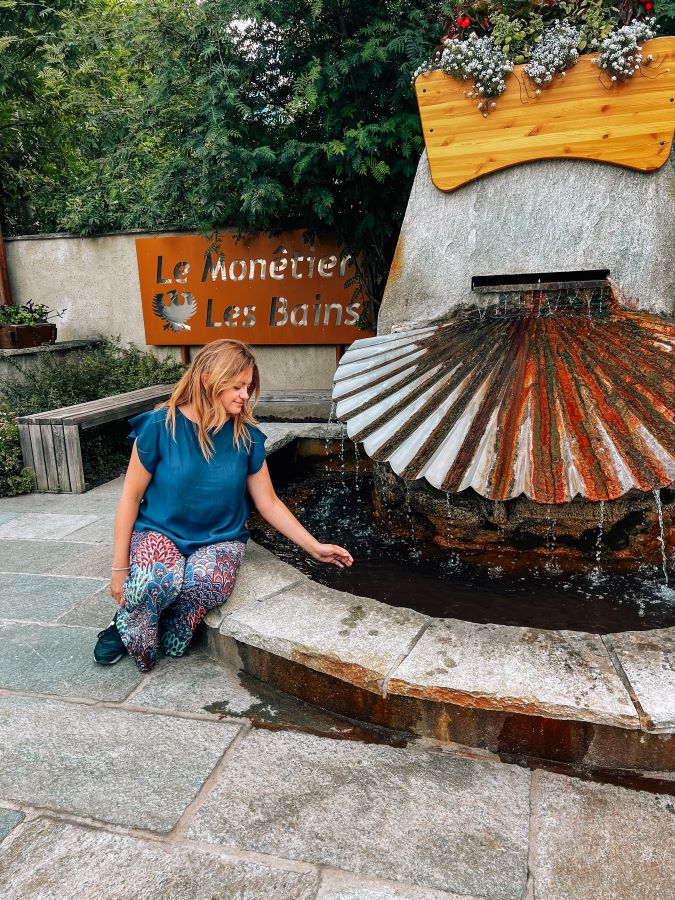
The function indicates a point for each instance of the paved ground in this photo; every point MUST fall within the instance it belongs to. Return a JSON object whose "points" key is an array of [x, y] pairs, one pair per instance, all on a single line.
{"points": [[196, 782]]}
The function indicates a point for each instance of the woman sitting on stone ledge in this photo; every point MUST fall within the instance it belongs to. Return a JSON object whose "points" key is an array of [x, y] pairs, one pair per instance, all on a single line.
{"points": [[180, 528]]}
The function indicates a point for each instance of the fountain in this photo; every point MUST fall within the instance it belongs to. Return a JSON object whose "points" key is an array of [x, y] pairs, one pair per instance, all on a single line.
{"points": [[515, 414]]}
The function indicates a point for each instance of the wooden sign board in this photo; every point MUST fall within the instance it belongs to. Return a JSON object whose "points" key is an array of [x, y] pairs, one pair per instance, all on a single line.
{"points": [[581, 116], [259, 290]]}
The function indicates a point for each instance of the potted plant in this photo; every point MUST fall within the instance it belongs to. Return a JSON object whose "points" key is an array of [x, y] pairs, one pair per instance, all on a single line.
{"points": [[541, 94], [27, 325]]}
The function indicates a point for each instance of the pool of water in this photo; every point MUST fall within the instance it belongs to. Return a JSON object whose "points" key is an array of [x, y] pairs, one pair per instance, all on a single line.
{"points": [[336, 507]]}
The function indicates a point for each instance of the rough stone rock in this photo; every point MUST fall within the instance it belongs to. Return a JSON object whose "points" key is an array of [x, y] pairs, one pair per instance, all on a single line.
{"points": [[545, 216], [557, 674], [406, 815], [58, 860], [601, 842], [354, 638], [134, 769], [648, 659]]}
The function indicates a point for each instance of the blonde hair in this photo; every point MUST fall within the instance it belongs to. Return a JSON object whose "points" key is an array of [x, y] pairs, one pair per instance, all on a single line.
{"points": [[216, 367]]}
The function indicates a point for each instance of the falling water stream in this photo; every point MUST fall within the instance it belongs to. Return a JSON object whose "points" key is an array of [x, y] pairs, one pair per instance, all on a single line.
{"points": [[337, 507]]}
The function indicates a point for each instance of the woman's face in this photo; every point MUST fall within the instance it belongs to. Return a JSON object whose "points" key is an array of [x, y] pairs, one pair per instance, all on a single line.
{"points": [[234, 398]]}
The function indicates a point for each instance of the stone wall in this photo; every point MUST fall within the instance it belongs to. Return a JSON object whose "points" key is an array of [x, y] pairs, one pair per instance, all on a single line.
{"points": [[96, 279], [547, 216]]}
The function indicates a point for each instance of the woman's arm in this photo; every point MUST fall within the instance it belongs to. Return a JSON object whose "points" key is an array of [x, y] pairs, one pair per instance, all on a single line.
{"points": [[280, 517], [136, 482]]}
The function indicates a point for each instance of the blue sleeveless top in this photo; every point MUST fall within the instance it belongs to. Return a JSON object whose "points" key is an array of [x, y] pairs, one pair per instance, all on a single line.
{"points": [[192, 501]]}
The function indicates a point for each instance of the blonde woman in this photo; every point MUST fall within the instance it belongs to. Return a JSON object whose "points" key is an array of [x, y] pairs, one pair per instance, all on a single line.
{"points": [[180, 528]]}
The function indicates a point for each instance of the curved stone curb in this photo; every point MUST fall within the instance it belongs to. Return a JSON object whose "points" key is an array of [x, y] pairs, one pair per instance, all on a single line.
{"points": [[564, 675]]}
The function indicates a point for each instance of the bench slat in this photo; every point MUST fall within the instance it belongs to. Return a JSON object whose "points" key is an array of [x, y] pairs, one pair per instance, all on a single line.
{"points": [[50, 458], [26, 449], [115, 403], [71, 434], [38, 456], [61, 457]]}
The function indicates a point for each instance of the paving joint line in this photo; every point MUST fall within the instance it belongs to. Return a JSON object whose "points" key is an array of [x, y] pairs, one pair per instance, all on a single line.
{"points": [[56, 575], [54, 624], [401, 657], [180, 828], [644, 719]]}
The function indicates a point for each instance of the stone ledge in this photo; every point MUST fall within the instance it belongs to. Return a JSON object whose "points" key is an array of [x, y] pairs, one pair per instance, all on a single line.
{"points": [[446, 664]]}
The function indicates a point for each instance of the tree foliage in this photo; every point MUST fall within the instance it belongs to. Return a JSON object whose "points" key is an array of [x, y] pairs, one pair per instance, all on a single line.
{"points": [[252, 114]]}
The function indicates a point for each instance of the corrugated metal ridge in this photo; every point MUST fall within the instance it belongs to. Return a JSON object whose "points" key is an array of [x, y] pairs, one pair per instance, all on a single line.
{"points": [[550, 396]]}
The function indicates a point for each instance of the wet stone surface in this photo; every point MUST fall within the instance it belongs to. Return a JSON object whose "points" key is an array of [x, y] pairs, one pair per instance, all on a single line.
{"points": [[368, 809]]}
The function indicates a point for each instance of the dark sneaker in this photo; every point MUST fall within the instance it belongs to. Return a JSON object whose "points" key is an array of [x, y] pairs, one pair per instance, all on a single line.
{"points": [[110, 647]]}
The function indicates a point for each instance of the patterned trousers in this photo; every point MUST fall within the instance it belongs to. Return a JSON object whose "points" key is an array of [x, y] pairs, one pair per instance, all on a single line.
{"points": [[166, 595]]}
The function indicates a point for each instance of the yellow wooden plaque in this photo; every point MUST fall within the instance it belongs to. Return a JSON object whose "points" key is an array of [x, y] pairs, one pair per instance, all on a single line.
{"points": [[581, 116]]}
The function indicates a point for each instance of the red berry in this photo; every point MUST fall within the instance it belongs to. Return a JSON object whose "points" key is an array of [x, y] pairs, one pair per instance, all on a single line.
{"points": [[648, 5]]}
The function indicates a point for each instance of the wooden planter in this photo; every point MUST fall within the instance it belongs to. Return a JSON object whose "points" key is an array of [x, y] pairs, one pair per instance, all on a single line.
{"points": [[581, 116], [17, 337]]}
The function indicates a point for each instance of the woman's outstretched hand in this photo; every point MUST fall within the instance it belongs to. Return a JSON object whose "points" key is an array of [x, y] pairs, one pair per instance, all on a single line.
{"points": [[331, 553]]}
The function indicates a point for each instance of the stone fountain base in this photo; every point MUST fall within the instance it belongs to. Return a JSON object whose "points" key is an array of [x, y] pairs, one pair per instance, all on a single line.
{"points": [[575, 534]]}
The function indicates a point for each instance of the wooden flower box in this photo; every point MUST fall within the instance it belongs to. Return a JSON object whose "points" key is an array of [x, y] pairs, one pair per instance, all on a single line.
{"points": [[581, 116], [17, 337]]}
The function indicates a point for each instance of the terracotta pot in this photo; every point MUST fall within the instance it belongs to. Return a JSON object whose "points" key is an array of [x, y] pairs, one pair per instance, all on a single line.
{"points": [[16, 337]]}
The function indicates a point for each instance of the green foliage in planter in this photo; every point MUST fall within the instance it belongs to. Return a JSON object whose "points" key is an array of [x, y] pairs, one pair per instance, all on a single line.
{"points": [[28, 314], [14, 478], [54, 382]]}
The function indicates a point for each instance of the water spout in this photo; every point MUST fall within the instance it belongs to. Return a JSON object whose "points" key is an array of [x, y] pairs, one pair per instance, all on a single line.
{"points": [[662, 535]]}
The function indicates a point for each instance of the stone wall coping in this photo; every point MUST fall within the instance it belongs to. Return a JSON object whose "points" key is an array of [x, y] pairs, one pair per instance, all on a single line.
{"points": [[396, 651]]}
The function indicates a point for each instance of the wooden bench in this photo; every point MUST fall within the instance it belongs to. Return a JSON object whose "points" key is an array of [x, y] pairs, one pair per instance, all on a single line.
{"points": [[50, 441]]}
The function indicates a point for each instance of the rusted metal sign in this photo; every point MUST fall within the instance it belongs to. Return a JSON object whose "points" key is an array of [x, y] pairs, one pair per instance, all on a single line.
{"points": [[549, 395], [259, 290]]}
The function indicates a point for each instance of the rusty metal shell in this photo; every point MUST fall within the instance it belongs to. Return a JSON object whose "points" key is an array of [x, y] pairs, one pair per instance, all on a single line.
{"points": [[547, 397]]}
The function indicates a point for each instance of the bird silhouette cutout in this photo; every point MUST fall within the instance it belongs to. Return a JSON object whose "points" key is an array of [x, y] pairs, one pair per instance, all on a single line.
{"points": [[176, 312]]}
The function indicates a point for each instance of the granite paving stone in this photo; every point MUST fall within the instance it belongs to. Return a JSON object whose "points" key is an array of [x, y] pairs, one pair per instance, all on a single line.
{"points": [[648, 659], [95, 561], [57, 660], [192, 683], [42, 598], [99, 532], [119, 867], [39, 558], [261, 574], [344, 886], [353, 638], [560, 674], [127, 768], [7, 516], [44, 526], [9, 819], [407, 815], [95, 611], [601, 842]]}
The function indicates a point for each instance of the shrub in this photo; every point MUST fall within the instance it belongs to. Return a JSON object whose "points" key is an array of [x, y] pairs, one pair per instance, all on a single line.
{"points": [[14, 478], [54, 382]]}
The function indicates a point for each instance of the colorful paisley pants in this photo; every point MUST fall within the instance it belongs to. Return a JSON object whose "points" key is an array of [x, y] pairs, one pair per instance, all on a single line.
{"points": [[166, 594]]}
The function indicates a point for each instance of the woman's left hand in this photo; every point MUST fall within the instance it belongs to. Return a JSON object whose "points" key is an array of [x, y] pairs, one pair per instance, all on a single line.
{"points": [[331, 553]]}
